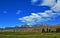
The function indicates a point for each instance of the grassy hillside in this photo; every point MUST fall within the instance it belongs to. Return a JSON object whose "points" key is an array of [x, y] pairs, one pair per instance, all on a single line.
{"points": [[40, 31], [28, 35]]}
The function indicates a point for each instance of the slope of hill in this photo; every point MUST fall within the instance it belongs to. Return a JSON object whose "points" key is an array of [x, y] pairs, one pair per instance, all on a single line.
{"points": [[34, 28]]}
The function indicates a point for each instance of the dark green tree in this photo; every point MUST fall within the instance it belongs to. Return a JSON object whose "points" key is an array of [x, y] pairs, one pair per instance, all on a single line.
{"points": [[58, 30], [43, 30]]}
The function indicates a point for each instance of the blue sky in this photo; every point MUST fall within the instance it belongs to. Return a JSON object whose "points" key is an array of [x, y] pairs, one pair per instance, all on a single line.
{"points": [[19, 12]]}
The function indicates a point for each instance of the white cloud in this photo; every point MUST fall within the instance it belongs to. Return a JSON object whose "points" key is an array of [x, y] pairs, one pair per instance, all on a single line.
{"points": [[30, 18], [55, 5], [48, 14], [49, 3], [56, 8], [43, 16], [18, 12], [39, 17]]}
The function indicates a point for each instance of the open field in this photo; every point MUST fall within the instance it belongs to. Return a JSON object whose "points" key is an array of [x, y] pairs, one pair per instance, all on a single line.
{"points": [[28, 35]]}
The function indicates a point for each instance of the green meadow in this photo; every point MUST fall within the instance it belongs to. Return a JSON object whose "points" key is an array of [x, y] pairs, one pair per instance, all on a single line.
{"points": [[28, 35]]}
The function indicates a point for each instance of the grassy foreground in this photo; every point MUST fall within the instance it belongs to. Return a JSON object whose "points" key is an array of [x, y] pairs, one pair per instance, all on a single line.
{"points": [[28, 35]]}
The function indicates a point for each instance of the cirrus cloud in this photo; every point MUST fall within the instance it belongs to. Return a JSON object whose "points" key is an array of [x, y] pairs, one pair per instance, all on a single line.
{"points": [[39, 17], [54, 4], [56, 8], [49, 3], [43, 16]]}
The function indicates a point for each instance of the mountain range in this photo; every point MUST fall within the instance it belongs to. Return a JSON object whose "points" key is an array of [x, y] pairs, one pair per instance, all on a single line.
{"points": [[32, 28]]}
